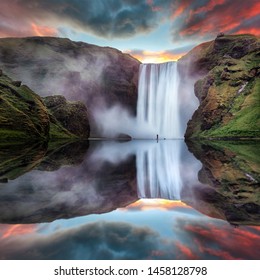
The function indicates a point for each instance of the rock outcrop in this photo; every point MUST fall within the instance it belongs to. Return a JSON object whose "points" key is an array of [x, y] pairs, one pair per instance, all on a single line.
{"points": [[23, 114], [100, 77], [228, 87], [73, 116]]}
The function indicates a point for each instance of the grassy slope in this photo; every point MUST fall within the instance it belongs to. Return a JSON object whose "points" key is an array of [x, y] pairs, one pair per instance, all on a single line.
{"points": [[23, 114], [239, 110]]}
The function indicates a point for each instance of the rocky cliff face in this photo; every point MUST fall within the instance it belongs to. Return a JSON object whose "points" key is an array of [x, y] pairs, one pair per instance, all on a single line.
{"points": [[228, 87], [100, 77], [25, 116], [73, 116]]}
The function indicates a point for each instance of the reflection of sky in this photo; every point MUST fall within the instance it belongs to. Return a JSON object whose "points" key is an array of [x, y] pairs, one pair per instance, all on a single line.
{"points": [[145, 230]]}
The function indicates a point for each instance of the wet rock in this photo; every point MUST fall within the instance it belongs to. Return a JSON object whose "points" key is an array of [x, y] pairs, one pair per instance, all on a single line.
{"points": [[73, 116]]}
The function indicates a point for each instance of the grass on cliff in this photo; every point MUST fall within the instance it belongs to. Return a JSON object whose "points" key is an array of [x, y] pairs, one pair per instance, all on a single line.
{"points": [[246, 116]]}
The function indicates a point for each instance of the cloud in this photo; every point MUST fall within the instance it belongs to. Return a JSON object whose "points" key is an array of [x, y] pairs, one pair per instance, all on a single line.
{"points": [[216, 16], [108, 19], [102, 240], [16, 230], [189, 22], [214, 242], [192, 238]]}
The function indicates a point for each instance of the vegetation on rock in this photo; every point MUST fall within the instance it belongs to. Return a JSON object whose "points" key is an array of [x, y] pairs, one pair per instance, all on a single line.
{"points": [[100, 77], [67, 117], [231, 174], [26, 116], [228, 89], [22, 112]]}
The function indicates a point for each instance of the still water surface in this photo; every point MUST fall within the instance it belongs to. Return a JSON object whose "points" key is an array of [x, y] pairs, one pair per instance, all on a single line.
{"points": [[130, 200]]}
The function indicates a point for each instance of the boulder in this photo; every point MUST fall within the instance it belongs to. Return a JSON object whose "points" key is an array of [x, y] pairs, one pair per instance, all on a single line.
{"points": [[73, 116]]}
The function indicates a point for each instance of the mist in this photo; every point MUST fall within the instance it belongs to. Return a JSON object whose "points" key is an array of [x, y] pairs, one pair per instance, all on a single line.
{"points": [[106, 81], [166, 102]]}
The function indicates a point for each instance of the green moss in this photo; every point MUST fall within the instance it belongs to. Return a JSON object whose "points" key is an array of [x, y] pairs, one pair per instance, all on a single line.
{"points": [[7, 135], [231, 105], [24, 115], [246, 116], [58, 132]]}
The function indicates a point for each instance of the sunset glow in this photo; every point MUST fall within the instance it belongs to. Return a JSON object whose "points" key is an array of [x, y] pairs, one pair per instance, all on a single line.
{"points": [[18, 229], [152, 31], [158, 204], [155, 57], [43, 30]]}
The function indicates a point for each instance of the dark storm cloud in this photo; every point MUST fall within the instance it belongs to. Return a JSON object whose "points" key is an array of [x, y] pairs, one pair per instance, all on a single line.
{"points": [[191, 20], [106, 18], [102, 240]]}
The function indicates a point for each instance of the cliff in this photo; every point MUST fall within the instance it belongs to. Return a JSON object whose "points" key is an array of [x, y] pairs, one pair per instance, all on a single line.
{"points": [[100, 77], [25, 116], [227, 72]]}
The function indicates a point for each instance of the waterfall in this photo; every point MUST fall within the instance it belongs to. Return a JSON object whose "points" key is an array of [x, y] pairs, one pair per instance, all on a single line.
{"points": [[158, 170], [157, 106], [158, 164]]}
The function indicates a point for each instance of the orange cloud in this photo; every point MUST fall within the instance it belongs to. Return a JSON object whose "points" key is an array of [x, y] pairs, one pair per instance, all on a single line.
{"points": [[181, 8], [186, 252], [251, 30], [18, 229], [224, 241], [220, 15], [211, 5], [43, 30]]}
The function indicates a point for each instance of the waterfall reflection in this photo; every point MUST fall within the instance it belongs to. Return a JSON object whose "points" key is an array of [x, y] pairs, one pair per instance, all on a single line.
{"points": [[162, 167]]}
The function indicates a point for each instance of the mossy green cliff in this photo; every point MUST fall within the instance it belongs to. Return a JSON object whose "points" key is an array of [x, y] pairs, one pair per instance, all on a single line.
{"points": [[26, 116], [23, 113], [228, 87]]}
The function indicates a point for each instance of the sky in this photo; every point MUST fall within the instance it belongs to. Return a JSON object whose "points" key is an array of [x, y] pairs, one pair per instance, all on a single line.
{"points": [[172, 230], [150, 30]]}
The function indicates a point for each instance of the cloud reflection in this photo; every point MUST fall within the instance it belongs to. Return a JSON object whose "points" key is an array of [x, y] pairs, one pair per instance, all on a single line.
{"points": [[191, 239]]}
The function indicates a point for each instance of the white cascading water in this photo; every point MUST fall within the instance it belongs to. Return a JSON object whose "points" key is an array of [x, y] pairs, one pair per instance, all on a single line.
{"points": [[157, 105], [158, 164], [158, 170]]}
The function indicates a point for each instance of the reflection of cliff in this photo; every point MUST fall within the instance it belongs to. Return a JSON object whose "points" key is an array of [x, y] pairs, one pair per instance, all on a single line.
{"points": [[75, 187], [17, 160], [230, 173]]}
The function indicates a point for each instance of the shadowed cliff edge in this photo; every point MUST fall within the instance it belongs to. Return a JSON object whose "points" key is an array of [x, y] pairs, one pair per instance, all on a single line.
{"points": [[231, 175], [227, 85]]}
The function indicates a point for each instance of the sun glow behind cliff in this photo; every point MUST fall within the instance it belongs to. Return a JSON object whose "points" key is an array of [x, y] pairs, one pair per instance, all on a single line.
{"points": [[155, 56]]}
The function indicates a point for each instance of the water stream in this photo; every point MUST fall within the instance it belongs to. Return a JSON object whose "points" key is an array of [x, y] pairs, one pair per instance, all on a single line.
{"points": [[157, 106]]}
